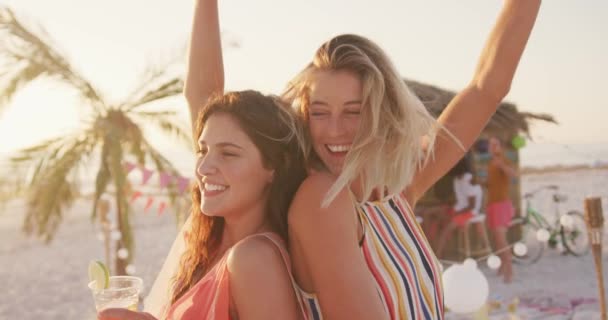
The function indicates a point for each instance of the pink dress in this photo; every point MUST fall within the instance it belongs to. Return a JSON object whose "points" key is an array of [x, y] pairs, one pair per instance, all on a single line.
{"points": [[209, 299]]}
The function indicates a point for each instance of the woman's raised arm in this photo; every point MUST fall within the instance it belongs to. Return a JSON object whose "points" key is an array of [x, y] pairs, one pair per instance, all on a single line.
{"points": [[205, 66], [468, 113]]}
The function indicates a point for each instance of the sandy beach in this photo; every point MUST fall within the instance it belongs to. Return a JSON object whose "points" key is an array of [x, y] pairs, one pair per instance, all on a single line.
{"points": [[49, 281]]}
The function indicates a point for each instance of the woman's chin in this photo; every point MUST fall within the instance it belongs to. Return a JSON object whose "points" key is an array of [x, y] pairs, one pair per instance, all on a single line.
{"points": [[210, 212]]}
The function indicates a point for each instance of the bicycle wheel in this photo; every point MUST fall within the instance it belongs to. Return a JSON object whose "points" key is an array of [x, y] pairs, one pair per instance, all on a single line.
{"points": [[574, 234], [535, 247]]}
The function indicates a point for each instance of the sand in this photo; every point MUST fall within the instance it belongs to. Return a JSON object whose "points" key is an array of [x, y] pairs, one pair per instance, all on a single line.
{"points": [[49, 281]]}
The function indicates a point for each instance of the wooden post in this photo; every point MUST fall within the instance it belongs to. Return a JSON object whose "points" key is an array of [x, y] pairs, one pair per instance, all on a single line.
{"points": [[594, 219], [103, 208]]}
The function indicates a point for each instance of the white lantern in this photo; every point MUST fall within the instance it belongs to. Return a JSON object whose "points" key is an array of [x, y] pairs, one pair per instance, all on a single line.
{"points": [[494, 262], [123, 253], [566, 221], [466, 288], [520, 249], [130, 269], [115, 235], [543, 235]]}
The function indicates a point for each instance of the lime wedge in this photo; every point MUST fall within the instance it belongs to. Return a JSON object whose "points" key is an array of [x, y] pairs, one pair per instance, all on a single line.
{"points": [[99, 273]]}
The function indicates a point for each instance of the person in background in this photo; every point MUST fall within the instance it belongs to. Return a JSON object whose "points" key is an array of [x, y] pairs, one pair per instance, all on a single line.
{"points": [[468, 196], [500, 208]]}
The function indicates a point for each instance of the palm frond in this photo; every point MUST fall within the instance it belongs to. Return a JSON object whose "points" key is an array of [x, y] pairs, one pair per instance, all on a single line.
{"points": [[53, 187], [21, 44], [29, 163], [26, 74], [151, 93], [168, 123]]}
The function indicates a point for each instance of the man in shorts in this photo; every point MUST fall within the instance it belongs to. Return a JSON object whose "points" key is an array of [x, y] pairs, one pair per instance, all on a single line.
{"points": [[500, 209]]}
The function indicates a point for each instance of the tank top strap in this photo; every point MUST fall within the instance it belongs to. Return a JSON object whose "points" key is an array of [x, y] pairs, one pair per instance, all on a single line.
{"points": [[280, 245]]}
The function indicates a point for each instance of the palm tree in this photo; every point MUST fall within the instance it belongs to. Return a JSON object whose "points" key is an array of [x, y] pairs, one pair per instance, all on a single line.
{"points": [[50, 173]]}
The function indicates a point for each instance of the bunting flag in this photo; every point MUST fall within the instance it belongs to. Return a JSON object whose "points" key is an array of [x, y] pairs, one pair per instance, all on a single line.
{"points": [[182, 184], [129, 166], [165, 179], [149, 204], [161, 207], [146, 175], [136, 195]]}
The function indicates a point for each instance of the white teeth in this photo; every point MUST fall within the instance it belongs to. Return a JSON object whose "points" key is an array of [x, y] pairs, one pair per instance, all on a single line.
{"points": [[214, 187], [338, 147]]}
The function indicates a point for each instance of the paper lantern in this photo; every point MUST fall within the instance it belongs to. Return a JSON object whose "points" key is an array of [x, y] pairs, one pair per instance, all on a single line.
{"points": [[122, 253], [566, 221], [130, 269], [518, 142], [494, 262], [116, 235], [543, 235], [466, 288], [520, 249]]}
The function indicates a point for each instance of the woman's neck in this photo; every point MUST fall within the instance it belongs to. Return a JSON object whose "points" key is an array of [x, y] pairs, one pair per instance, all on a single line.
{"points": [[236, 229]]}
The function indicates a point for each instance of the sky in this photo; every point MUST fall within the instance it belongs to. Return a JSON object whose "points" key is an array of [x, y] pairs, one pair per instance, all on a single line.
{"points": [[562, 71]]}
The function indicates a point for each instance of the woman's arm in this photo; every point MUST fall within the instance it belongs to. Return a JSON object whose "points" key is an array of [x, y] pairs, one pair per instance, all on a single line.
{"points": [[205, 74], [327, 240], [260, 284], [468, 113], [505, 166]]}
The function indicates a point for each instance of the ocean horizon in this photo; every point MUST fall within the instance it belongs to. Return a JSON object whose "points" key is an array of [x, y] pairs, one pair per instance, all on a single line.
{"points": [[533, 155]]}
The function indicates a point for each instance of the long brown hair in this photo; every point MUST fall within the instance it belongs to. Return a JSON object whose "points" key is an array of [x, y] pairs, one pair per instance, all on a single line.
{"points": [[273, 128]]}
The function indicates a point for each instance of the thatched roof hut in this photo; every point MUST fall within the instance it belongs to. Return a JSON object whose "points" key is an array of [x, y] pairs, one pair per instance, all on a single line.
{"points": [[506, 122]]}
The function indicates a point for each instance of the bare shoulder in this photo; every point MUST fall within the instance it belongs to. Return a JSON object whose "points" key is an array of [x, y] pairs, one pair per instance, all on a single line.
{"points": [[309, 221], [306, 209], [258, 255], [316, 184], [260, 283]]}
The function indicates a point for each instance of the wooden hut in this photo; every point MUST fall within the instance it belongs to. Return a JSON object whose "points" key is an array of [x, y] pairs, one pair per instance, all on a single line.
{"points": [[507, 123]]}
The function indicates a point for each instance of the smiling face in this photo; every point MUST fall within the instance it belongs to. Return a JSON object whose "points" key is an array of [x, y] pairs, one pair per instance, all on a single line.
{"points": [[334, 115], [229, 169]]}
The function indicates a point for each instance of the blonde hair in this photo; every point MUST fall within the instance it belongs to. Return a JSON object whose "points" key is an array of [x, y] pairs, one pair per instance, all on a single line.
{"points": [[387, 149]]}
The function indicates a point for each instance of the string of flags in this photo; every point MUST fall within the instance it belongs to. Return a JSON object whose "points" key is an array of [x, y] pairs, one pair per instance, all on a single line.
{"points": [[165, 180]]}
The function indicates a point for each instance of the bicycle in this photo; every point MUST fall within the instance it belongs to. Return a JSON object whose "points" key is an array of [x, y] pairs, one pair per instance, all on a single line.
{"points": [[568, 229]]}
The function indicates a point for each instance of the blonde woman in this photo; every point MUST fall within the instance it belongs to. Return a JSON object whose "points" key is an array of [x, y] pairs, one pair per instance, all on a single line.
{"points": [[373, 151]]}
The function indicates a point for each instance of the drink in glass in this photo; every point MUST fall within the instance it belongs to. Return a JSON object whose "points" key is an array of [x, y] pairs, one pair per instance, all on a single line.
{"points": [[122, 292]]}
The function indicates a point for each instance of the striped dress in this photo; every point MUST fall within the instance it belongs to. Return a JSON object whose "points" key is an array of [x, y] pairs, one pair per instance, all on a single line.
{"points": [[405, 269]]}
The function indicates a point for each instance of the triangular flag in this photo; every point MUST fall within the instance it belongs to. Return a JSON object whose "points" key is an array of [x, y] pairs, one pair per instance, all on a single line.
{"points": [[149, 204], [146, 174], [129, 166], [182, 184], [165, 179], [135, 195], [161, 207]]}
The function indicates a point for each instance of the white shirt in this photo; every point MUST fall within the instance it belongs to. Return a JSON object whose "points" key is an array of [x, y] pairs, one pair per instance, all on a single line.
{"points": [[463, 189]]}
